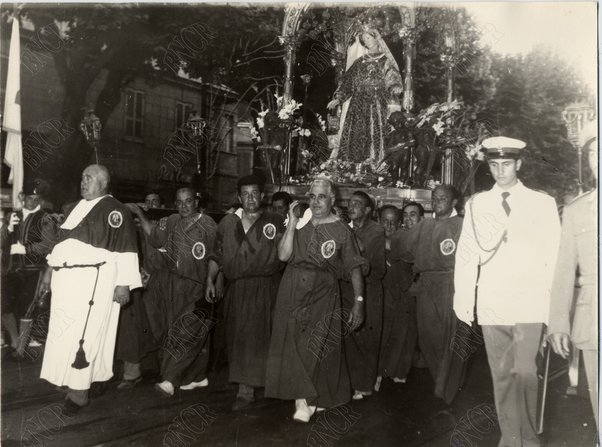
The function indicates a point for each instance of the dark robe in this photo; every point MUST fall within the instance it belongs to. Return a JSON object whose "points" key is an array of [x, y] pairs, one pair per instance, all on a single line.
{"points": [[363, 345], [400, 331], [134, 335], [306, 354], [431, 246], [179, 315], [251, 266]]}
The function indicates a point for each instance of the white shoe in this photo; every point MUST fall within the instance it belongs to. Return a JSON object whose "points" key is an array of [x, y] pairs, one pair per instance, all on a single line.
{"points": [[192, 385], [304, 412], [359, 395], [34, 344], [398, 380], [379, 379], [165, 388]]}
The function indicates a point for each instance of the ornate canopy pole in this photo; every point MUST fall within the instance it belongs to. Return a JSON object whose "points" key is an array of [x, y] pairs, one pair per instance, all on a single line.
{"points": [[408, 34], [449, 59], [292, 17]]}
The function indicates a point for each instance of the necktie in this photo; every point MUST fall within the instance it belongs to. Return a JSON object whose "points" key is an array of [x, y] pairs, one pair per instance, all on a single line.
{"points": [[505, 203]]}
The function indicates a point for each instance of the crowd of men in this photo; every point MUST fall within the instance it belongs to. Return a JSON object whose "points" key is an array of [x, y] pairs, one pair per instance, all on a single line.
{"points": [[315, 306]]}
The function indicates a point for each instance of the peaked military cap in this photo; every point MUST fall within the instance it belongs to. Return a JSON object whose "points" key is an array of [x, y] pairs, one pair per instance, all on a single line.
{"points": [[503, 147]]}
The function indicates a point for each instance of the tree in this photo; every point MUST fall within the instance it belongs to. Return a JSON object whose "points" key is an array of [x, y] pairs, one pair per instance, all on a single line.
{"points": [[114, 43], [531, 93]]}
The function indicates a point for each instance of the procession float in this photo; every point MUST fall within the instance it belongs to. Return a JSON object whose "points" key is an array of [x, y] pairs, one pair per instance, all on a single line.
{"points": [[371, 137]]}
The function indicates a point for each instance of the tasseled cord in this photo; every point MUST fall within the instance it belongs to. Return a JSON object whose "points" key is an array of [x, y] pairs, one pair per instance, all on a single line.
{"points": [[80, 357]]}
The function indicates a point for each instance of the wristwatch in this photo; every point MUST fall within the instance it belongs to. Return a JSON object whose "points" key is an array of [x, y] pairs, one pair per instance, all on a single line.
{"points": [[359, 298]]}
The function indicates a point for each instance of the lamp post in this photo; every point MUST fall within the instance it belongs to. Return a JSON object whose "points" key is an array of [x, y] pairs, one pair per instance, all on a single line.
{"points": [[196, 125], [575, 116], [91, 128]]}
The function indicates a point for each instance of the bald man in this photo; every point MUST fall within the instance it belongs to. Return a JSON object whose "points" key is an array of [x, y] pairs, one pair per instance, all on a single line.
{"points": [[91, 272]]}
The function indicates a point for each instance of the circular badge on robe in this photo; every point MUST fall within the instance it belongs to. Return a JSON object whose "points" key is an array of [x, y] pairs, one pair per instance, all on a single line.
{"points": [[115, 219], [328, 248], [447, 247], [269, 231], [198, 250]]}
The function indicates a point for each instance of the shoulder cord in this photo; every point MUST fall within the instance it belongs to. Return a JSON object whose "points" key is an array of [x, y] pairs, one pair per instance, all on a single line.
{"points": [[495, 248]]}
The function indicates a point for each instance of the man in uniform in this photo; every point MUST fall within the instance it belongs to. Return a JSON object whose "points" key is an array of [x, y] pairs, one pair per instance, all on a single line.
{"points": [[92, 270], [179, 315], [578, 242], [431, 246], [362, 346], [399, 320], [247, 250], [28, 238], [509, 242]]}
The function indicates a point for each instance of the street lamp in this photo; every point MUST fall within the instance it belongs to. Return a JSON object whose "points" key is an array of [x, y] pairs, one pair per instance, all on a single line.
{"points": [[575, 116], [91, 127], [196, 125]]}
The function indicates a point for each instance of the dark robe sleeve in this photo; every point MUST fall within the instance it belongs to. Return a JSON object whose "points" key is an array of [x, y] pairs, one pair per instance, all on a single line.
{"points": [[404, 244], [351, 257], [49, 235], [158, 237], [376, 255], [345, 90]]}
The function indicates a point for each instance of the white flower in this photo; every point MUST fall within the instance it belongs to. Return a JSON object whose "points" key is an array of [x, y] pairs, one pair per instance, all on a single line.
{"points": [[263, 113], [255, 134], [438, 127], [380, 179], [305, 132], [260, 123], [480, 156]]}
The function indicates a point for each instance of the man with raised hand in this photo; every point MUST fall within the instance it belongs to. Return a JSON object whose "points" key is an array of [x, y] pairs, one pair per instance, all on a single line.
{"points": [[180, 317], [509, 244]]}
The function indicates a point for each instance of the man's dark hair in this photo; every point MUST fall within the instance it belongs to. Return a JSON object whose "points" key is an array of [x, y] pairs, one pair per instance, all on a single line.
{"points": [[368, 202], [387, 208], [155, 193], [451, 190], [250, 180], [284, 196], [417, 205]]}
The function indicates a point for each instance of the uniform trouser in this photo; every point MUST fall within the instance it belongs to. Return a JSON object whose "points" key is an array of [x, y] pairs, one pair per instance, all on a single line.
{"points": [[511, 351], [590, 361]]}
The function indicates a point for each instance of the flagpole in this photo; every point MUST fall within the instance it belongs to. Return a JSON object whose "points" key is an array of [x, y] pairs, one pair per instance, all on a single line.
{"points": [[13, 155]]}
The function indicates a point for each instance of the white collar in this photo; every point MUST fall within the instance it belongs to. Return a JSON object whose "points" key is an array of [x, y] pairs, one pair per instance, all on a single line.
{"points": [[453, 213], [80, 211], [27, 212], [518, 187]]}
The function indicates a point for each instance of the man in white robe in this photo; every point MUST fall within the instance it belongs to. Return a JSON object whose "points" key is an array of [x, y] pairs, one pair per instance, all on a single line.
{"points": [[95, 259]]}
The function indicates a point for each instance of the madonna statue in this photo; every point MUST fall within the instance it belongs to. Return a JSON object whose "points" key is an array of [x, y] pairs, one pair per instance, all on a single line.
{"points": [[371, 82]]}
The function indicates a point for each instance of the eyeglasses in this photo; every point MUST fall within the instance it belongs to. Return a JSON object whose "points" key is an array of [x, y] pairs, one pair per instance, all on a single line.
{"points": [[186, 202]]}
